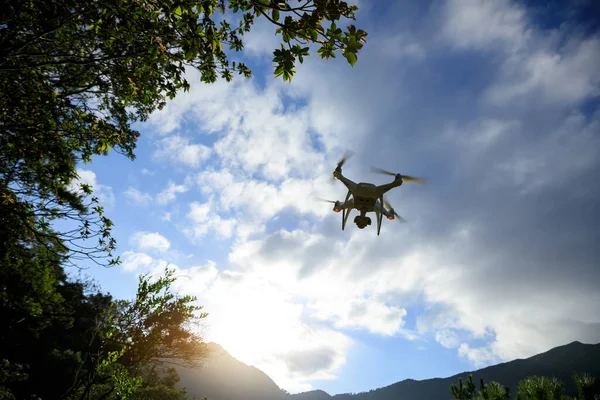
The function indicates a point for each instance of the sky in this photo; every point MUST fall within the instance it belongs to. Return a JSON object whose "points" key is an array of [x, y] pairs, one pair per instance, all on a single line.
{"points": [[494, 102]]}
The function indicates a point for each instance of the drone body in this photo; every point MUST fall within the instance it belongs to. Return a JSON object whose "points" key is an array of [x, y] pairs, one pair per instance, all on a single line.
{"points": [[367, 197]]}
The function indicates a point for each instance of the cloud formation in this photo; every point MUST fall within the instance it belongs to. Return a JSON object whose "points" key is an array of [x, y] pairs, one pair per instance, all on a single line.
{"points": [[498, 259], [150, 241], [179, 150], [104, 193], [137, 197]]}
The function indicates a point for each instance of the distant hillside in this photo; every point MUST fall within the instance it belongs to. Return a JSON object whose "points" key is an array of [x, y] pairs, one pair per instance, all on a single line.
{"points": [[226, 378], [312, 395]]}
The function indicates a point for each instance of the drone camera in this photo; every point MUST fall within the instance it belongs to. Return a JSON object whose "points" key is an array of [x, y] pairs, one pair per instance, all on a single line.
{"points": [[362, 222]]}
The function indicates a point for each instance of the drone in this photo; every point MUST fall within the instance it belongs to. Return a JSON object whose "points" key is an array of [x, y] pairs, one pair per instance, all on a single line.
{"points": [[367, 197]]}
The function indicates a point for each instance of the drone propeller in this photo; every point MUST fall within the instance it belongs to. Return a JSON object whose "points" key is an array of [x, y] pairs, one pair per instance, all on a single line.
{"points": [[347, 155], [325, 200], [336, 206], [405, 178], [389, 207]]}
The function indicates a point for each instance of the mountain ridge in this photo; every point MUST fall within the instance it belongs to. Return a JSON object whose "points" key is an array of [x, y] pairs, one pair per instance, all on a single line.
{"points": [[227, 378]]}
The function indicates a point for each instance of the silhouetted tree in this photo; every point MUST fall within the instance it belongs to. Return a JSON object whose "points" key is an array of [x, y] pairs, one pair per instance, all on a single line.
{"points": [[86, 344], [492, 391], [463, 392], [588, 387], [139, 337], [74, 76], [540, 388], [530, 388]]}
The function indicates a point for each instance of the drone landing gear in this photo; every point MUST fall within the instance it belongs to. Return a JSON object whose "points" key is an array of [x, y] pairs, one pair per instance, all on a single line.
{"points": [[379, 215], [346, 212]]}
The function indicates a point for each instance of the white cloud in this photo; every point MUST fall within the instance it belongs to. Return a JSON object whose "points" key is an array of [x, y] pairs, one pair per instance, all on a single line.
{"points": [[164, 197], [166, 217], [203, 220], [150, 241], [261, 40], [402, 46], [179, 150], [315, 267], [136, 197], [256, 202], [550, 162], [479, 357], [142, 263], [104, 193], [542, 66], [483, 261], [447, 338], [552, 74], [169, 194], [483, 25], [261, 134], [363, 313], [196, 279], [275, 339]]}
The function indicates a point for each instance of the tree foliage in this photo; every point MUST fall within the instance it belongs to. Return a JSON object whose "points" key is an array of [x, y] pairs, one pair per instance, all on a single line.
{"points": [[74, 76], [140, 337], [530, 388], [90, 346], [489, 391], [50, 324], [463, 391], [540, 388], [158, 326], [588, 387]]}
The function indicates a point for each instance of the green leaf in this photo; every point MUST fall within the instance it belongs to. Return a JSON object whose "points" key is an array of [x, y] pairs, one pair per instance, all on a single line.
{"points": [[146, 45], [314, 35], [351, 57]]}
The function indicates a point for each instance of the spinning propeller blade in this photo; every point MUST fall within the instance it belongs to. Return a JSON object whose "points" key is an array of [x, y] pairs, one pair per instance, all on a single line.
{"points": [[382, 171], [347, 155], [414, 179], [389, 207], [405, 178], [325, 200]]}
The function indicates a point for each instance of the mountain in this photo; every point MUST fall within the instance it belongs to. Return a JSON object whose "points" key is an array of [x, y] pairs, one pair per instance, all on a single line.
{"points": [[560, 362], [312, 395], [225, 378]]}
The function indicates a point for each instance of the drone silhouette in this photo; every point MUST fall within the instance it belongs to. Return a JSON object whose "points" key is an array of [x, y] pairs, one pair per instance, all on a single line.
{"points": [[366, 197]]}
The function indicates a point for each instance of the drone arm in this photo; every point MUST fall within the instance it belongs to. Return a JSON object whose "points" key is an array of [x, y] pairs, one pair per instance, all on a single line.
{"points": [[348, 204], [347, 182], [381, 189]]}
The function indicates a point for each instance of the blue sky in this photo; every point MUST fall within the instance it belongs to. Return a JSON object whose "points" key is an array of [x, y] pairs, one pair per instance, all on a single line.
{"points": [[495, 102]]}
